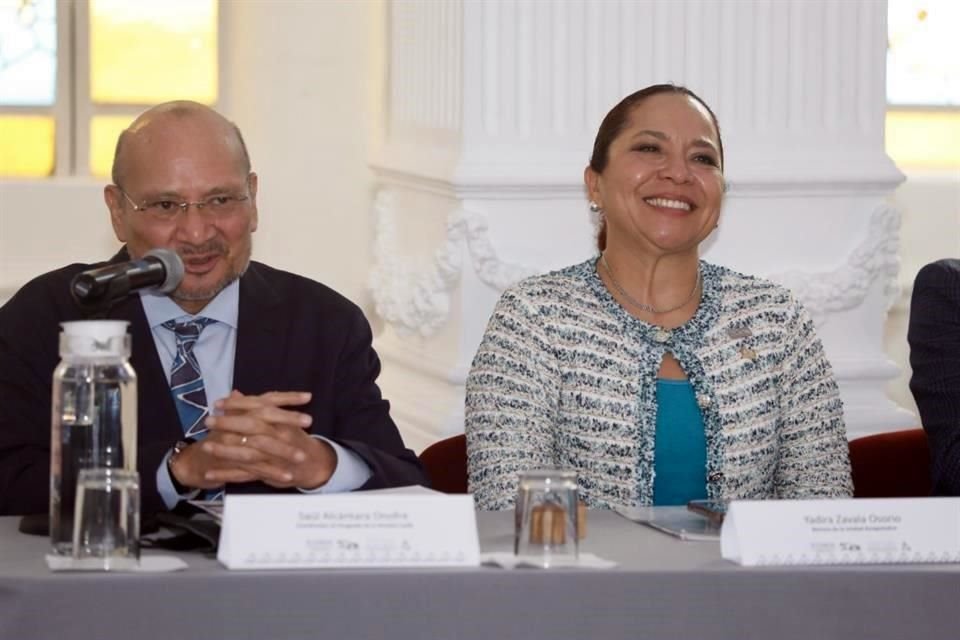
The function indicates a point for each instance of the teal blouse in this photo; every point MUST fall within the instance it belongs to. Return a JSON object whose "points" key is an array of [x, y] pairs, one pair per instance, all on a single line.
{"points": [[680, 451]]}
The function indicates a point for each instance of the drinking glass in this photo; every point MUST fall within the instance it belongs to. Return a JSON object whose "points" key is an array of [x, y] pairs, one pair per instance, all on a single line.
{"points": [[546, 523], [106, 523]]}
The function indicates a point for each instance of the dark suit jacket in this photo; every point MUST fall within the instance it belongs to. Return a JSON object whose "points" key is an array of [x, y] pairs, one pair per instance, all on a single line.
{"points": [[293, 334], [934, 337]]}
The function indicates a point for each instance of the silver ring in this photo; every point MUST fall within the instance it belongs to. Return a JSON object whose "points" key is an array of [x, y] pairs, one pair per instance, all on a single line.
{"points": [[243, 441]]}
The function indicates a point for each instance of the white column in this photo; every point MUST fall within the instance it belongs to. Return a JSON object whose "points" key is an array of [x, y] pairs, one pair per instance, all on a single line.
{"points": [[492, 106]]}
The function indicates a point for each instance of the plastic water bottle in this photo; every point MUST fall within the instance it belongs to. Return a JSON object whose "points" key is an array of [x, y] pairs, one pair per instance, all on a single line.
{"points": [[94, 421]]}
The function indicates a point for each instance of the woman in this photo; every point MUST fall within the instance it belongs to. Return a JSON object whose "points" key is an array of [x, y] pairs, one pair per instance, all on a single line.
{"points": [[658, 377]]}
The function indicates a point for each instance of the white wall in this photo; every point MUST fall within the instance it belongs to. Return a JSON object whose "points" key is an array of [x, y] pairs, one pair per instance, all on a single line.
{"points": [[301, 77], [46, 224]]}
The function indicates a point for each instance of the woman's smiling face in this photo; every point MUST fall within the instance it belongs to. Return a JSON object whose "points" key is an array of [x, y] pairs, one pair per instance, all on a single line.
{"points": [[662, 186]]}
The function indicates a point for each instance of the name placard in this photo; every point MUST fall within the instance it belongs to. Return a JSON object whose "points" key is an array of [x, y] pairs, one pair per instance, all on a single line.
{"points": [[862, 531], [363, 529]]}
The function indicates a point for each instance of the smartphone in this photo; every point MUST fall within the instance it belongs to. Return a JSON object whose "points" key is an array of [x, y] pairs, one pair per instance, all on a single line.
{"points": [[712, 510]]}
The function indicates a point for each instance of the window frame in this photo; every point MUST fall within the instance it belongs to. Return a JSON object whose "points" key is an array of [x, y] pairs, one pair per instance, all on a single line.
{"points": [[73, 110]]}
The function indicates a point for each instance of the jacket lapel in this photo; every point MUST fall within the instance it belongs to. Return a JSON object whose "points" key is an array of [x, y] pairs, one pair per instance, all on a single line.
{"points": [[261, 341]]}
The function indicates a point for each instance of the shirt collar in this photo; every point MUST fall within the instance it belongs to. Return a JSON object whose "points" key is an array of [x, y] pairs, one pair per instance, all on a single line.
{"points": [[223, 308]]}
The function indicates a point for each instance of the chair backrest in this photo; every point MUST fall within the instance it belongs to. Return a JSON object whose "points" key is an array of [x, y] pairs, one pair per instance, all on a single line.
{"points": [[885, 465], [891, 465], [446, 464]]}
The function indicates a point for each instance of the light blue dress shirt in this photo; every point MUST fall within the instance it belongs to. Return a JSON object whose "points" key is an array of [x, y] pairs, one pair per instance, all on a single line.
{"points": [[215, 351]]}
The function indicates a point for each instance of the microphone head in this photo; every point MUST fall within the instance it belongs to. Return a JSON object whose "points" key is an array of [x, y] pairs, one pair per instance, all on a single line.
{"points": [[172, 266]]}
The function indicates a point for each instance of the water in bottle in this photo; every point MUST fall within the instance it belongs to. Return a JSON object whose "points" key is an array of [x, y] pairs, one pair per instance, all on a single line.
{"points": [[94, 421]]}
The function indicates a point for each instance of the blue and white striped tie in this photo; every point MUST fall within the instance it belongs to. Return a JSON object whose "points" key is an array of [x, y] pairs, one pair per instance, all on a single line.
{"points": [[186, 384], [186, 381]]}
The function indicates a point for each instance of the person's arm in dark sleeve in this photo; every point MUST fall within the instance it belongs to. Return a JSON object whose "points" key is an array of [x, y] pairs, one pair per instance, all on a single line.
{"points": [[934, 337], [363, 423], [28, 356]]}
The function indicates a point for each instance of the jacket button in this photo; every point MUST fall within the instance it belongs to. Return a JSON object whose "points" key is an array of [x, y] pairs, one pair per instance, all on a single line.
{"points": [[703, 400], [716, 476]]}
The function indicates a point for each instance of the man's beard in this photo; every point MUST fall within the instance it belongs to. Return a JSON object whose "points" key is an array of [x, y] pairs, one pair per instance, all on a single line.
{"points": [[199, 295], [220, 249]]}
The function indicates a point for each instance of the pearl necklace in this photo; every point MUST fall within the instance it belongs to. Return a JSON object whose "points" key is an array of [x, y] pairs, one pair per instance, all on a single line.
{"points": [[646, 307]]}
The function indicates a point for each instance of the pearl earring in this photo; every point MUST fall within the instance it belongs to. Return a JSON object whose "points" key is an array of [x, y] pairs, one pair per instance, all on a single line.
{"points": [[594, 207]]}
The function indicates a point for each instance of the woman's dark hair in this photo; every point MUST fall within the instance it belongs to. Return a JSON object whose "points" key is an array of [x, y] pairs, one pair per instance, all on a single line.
{"points": [[619, 118]]}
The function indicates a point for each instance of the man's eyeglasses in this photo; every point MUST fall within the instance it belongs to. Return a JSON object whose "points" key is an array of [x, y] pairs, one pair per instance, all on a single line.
{"points": [[167, 210]]}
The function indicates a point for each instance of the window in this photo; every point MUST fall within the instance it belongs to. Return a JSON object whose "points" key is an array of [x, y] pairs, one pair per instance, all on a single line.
{"points": [[923, 83], [74, 73], [28, 62]]}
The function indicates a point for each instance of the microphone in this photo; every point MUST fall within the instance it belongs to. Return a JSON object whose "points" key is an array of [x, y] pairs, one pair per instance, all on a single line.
{"points": [[160, 268]]}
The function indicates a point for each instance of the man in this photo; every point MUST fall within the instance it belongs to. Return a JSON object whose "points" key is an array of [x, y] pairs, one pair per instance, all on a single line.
{"points": [[182, 181], [934, 337]]}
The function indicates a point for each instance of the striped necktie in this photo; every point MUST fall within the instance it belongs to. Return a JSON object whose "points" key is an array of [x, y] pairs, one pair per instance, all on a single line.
{"points": [[186, 381]]}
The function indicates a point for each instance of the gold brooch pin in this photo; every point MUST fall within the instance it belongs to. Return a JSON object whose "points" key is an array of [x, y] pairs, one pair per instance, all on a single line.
{"points": [[748, 354]]}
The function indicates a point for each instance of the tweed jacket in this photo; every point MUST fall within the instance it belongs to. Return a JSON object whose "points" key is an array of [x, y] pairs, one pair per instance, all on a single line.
{"points": [[565, 376]]}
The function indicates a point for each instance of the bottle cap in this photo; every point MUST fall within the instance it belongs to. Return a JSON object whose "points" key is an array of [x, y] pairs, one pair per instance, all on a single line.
{"points": [[95, 338]]}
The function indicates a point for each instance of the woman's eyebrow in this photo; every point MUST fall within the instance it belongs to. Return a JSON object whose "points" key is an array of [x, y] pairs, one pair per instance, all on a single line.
{"points": [[704, 142], [659, 135]]}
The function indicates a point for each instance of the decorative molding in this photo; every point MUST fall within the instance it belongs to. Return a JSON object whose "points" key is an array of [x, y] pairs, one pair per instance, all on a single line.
{"points": [[491, 270], [558, 175], [847, 286], [530, 70], [426, 54], [416, 299], [411, 299]]}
